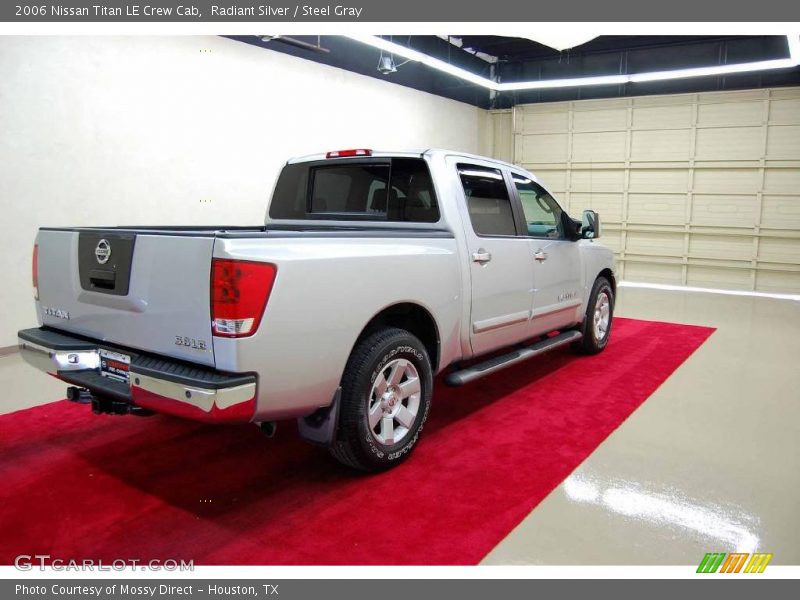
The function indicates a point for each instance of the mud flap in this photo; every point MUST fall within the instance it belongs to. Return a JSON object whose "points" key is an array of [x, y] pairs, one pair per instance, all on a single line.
{"points": [[320, 427]]}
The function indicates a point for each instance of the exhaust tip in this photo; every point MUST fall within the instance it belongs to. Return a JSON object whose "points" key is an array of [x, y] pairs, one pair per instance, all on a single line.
{"points": [[268, 428]]}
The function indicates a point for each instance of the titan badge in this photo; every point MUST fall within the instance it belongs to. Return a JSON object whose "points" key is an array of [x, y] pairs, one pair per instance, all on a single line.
{"points": [[58, 313]]}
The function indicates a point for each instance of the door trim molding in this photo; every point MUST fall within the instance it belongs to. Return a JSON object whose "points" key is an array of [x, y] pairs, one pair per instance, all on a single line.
{"points": [[554, 308], [502, 321]]}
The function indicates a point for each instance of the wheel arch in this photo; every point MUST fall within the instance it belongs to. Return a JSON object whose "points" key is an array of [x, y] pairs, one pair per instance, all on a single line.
{"points": [[415, 319], [608, 274]]}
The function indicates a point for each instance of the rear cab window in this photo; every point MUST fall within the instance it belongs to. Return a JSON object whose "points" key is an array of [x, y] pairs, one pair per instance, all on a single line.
{"points": [[379, 189]]}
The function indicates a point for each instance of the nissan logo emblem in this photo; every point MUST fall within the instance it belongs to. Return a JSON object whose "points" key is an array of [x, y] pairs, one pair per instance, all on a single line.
{"points": [[102, 251]]}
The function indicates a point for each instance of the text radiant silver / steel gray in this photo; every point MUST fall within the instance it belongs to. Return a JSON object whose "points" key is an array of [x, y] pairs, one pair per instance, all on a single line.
{"points": [[374, 272]]}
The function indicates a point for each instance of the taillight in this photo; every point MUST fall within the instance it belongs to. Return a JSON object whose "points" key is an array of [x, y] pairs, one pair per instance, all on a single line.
{"points": [[239, 293], [348, 153], [35, 271]]}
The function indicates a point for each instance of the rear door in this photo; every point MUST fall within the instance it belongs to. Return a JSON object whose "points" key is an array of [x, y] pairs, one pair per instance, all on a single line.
{"points": [[500, 261], [142, 289], [557, 269]]}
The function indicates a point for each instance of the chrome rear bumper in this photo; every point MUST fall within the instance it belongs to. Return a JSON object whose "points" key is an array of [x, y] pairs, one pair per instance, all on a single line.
{"points": [[155, 383]]}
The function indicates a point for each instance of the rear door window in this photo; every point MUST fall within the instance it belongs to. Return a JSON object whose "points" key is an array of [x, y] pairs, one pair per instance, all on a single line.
{"points": [[488, 201]]}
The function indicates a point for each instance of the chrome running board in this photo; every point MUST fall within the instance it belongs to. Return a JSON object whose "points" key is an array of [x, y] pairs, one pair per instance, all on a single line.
{"points": [[497, 363]]}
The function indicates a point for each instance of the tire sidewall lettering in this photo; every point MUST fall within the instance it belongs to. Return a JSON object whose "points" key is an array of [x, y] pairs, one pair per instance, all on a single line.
{"points": [[601, 343], [391, 354], [419, 360]]}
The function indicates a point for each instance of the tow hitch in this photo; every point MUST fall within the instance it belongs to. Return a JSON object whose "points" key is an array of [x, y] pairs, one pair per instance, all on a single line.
{"points": [[79, 395], [102, 405]]}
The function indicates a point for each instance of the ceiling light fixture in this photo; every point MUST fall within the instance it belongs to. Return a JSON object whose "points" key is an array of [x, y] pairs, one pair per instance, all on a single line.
{"points": [[793, 42], [386, 64], [425, 59]]}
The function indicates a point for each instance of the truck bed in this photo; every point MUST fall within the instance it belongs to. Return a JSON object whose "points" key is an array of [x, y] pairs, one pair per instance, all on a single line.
{"points": [[275, 230], [153, 293]]}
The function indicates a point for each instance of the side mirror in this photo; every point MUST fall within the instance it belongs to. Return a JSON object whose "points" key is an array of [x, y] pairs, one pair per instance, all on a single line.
{"points": [[590, 225]]}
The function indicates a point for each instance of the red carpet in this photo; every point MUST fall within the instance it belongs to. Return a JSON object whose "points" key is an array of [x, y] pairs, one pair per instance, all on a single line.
{"points": [[76, 485]]}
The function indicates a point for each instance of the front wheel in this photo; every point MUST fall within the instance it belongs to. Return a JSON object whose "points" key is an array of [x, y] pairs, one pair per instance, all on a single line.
{"points": [[596, 326], [386, 395]]}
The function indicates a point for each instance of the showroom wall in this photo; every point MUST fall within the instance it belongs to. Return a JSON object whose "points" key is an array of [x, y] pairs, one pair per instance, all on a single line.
{"points": [[177, 130], [693, 189]]}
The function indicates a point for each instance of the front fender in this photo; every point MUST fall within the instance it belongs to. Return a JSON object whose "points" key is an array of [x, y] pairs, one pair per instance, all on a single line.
{"points": [[596, 258]]}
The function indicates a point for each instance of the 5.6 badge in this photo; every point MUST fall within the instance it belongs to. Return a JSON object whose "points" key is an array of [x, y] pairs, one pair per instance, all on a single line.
{"points": [[188, 342]]}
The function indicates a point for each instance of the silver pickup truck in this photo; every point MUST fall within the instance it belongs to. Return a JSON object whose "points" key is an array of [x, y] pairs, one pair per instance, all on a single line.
{"points": [[374, 272]]}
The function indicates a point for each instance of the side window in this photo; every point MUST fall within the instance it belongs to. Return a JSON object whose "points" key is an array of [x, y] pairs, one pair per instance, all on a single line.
{"points": [[487, 200], [411, 196], [542, 212]]}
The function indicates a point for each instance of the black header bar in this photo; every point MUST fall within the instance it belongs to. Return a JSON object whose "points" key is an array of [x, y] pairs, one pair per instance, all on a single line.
{"points": [[440, 11]]}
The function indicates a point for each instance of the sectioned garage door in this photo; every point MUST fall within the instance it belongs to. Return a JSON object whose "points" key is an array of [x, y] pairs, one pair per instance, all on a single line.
{"points": [[694, 189]]}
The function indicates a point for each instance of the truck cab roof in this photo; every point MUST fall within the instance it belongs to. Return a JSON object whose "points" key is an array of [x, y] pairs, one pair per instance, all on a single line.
{"points": [[408, 153]]}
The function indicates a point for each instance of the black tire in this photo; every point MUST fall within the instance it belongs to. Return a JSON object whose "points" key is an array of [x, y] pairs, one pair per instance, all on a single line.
{"points": [[357, 444], [591, 343]]}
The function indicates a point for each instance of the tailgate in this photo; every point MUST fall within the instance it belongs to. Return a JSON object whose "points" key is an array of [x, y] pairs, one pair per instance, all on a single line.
{"points": [[146, 290]]}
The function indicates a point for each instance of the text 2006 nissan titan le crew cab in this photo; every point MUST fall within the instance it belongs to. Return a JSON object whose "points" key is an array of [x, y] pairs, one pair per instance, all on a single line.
{"points": [[374, 271]]}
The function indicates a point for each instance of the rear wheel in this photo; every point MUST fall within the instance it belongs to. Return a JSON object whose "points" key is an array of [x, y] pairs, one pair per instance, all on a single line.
{"points": [[386, 395], [596, 326]]}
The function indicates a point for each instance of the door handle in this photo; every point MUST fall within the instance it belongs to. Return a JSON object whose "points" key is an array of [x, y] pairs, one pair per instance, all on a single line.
{"points": [[540, 255], [481, 256]]}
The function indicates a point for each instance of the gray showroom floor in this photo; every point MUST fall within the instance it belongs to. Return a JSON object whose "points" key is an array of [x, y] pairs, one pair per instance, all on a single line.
{"points": [[710, 462]]}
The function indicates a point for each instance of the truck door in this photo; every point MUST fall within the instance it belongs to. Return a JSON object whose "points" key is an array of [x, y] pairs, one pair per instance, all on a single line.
{"points": [[500, 260], [556, 261]]}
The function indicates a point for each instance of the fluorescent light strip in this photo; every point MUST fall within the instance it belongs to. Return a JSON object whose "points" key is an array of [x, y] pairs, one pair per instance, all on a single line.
{"points": [[764, 65], [685, 288], [793, 42], [794, 47], [561, 83]]}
